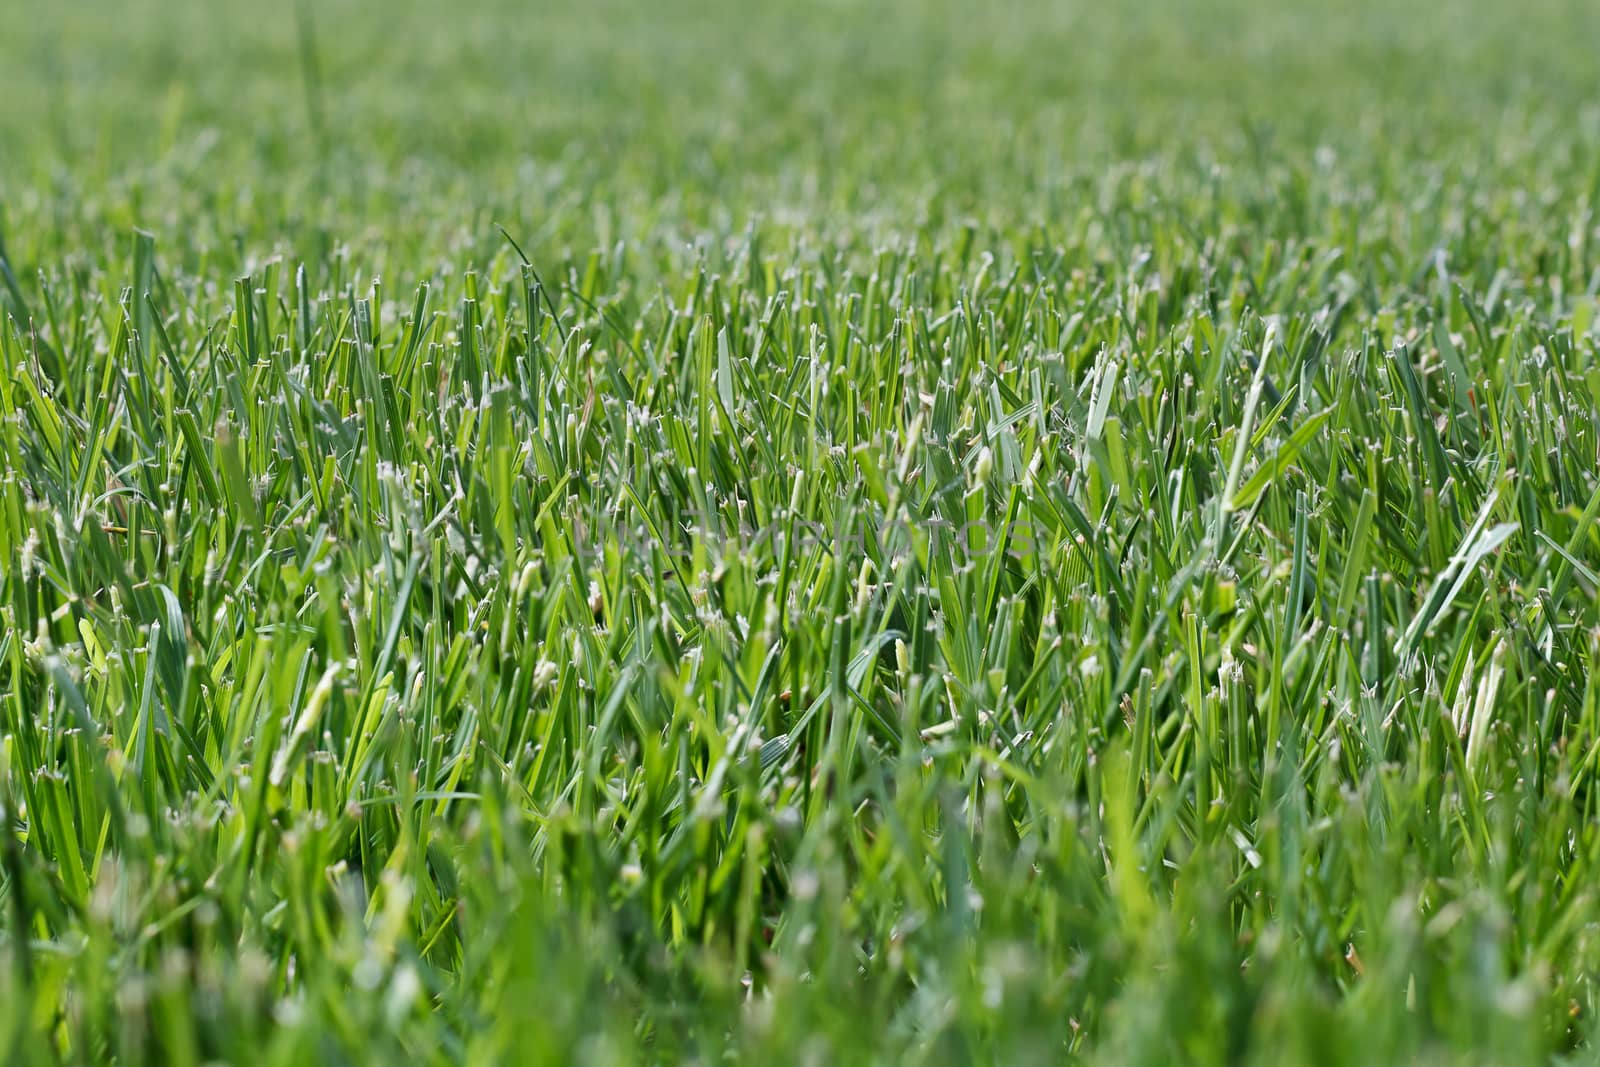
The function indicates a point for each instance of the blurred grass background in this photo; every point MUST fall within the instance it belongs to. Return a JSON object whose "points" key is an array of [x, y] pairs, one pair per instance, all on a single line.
{"points": [[222, 120]]}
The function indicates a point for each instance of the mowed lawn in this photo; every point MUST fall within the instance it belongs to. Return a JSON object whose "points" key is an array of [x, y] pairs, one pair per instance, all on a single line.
{"points": [[850, 532]]}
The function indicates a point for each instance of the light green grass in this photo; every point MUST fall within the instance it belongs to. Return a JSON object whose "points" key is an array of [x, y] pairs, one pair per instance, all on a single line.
{"points": [[832, 533]]}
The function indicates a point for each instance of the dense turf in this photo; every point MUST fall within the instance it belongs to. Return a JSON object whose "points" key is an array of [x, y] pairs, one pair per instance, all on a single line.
{"points": [[968, 532]]}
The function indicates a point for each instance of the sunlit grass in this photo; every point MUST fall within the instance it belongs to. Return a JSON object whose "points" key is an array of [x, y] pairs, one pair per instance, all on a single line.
{"points": [[924, 532]]}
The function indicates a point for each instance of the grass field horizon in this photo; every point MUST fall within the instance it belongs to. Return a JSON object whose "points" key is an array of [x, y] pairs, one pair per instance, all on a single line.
{"points": [[936, 532]]}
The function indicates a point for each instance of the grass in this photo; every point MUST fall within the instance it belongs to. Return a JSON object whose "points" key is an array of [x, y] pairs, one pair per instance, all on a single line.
{"points": [[925, 532]]}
